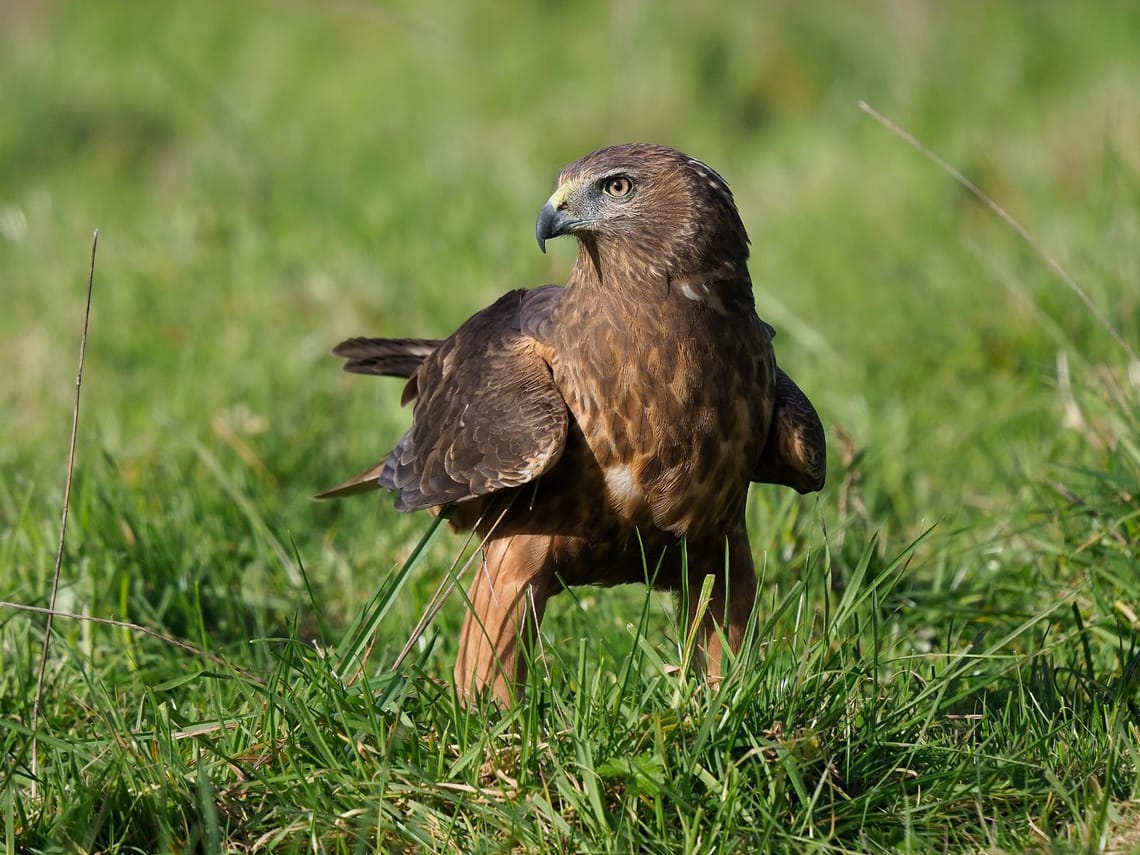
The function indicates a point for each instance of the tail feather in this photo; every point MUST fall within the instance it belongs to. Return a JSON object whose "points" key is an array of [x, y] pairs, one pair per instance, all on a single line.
{"points": [[390, 357], [365, 482]]}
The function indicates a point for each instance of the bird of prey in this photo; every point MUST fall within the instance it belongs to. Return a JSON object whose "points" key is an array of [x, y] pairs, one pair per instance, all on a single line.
{"points": [[604, 431]]}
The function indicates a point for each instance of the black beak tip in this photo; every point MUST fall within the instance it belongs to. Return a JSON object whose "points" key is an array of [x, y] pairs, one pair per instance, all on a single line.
{"points": [[544, 228]]}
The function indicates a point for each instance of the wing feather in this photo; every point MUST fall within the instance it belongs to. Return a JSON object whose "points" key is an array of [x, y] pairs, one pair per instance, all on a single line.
{"points": [[487, 416], [795, 454]]}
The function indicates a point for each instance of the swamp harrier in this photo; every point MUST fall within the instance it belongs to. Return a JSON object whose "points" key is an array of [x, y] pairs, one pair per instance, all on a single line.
{"points": [[587, 432]]}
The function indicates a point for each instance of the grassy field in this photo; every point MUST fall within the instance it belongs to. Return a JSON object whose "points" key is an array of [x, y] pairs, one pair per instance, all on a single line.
{"points": [[946, 655]]}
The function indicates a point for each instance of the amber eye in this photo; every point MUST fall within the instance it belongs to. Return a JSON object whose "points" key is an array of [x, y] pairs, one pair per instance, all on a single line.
{"points": [[618, 186]]}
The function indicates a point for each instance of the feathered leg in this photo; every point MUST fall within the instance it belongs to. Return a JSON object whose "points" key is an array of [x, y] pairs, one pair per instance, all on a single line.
{"points": [[730, 605], [508, 598]]}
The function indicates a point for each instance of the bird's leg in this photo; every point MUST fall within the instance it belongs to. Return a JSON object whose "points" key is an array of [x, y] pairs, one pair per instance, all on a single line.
{"points": [[729, 608], [507, 600]]}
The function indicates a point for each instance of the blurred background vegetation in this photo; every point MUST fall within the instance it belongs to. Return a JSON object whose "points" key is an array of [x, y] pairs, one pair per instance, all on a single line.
{"points": [[268, 178]]}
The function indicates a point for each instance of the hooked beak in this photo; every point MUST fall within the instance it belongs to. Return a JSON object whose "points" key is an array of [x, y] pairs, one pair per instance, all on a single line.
{"points": [[552, 222]]}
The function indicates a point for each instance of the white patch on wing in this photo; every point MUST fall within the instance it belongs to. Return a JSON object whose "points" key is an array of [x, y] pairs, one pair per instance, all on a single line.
{"points": [[694, 293], [623, 493]]}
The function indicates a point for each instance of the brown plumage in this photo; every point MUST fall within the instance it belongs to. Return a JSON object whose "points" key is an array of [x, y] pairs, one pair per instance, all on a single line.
{"points": [[593, 430]]}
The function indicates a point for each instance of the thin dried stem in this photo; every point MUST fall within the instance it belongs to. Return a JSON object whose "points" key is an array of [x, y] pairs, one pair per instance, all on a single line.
{"points": [[1006, 218], [63, 520], [136, 627]]}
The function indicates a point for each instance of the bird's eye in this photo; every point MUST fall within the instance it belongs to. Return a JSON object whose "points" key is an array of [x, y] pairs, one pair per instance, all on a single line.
{"points": [[618, 186]]}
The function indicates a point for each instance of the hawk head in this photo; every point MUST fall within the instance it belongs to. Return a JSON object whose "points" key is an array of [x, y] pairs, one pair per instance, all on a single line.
{"points": [[648, 201]]}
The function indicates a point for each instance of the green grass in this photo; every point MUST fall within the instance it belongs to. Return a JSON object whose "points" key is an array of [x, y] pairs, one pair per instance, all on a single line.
{"points": [[947, 652]]}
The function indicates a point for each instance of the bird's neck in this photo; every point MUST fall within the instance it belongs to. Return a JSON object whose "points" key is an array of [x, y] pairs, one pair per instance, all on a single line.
{"points": [[622, 275]]}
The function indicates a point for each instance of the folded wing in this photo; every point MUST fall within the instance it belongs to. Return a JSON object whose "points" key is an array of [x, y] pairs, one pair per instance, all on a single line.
{"points": [[487, 415], [795, 454]]}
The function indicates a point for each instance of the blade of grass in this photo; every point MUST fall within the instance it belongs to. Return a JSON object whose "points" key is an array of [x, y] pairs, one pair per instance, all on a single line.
{"points": [[350, 652]]}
